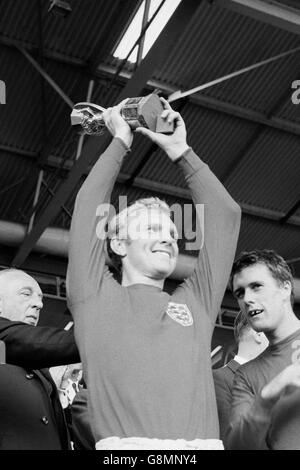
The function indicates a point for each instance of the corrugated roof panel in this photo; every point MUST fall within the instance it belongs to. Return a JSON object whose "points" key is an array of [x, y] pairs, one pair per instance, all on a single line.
{"points": [[74, 35], [19, 123], [291, 111], [81, 27], [106, 94], [72, 83], [219, 42], [19, 20], [263, 234], [269, 174], [216, 137], [23, 125], [160, 169], [89, 23], [290, 3], [16, 185]]}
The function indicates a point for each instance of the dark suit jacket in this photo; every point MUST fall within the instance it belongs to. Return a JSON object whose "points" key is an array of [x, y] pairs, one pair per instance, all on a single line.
{"points": [[223, 379], [31, 416], [81, 430]]}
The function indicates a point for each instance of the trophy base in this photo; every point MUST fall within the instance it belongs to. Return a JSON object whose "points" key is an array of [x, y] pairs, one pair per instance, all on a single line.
{"points": [[146, 112]]}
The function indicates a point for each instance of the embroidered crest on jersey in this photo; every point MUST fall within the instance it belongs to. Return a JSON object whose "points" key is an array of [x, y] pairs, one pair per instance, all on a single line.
{"points": [[180, 313]]}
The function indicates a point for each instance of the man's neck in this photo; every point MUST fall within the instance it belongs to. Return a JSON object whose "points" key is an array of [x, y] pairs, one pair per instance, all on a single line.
{"points": [[137, 278], [287, 328], [240, 359], [248, 353]]}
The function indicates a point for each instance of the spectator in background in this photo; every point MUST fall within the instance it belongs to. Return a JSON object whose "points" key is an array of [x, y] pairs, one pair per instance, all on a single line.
{"points": [[266, 393], [31, 414], [67, 379], [250, 344]]}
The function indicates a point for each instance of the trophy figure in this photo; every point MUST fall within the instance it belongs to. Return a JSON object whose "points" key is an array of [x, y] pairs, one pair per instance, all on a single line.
{"points": [[143, 111]]}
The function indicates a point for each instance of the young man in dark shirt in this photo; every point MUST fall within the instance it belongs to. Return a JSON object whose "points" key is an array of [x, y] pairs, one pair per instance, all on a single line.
{"points": [[265, 410], [250, 344]]}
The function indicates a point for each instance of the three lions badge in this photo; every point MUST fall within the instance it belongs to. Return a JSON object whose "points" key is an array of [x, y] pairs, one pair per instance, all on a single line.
{"points": [[180, 313]]}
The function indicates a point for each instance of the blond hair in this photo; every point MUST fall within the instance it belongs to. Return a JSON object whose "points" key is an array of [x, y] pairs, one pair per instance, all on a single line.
{"points": [[120, 222]]}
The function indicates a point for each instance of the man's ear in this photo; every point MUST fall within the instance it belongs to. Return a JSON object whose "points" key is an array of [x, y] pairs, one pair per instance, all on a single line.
{"points": [[118, 246], [287, 287]]}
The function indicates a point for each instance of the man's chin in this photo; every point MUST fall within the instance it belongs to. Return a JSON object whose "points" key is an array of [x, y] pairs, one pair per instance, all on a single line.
{"points": [[163, 273], [257, 324]]}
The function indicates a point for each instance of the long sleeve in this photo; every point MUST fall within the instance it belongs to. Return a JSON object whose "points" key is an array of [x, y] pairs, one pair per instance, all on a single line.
{"points": [[223, 396], [250, 417], [220, 230], [37, 347], [87, 235]]}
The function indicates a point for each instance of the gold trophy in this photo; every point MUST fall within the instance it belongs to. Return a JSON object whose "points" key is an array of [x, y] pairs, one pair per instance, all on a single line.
{"points": [[143, 111]]}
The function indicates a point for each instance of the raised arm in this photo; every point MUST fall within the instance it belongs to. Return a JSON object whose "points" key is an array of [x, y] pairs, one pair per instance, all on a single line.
{"points": [[36, 347], [221, 219], [87, 235], [220, 230]]}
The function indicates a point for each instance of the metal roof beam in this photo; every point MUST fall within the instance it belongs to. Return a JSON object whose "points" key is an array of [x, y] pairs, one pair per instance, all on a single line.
{"points": [[90, 66], [108, 33], [243, 154], [247, 114], [94, 147], [170, 190], [167, 189], [204, 101], [18, 152], [112, 27], [290, 213], [48, 54], [267, 11], [217, 105]]}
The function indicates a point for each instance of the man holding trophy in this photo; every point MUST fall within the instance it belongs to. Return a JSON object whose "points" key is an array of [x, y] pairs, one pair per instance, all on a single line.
{"points": [[145, 353]]}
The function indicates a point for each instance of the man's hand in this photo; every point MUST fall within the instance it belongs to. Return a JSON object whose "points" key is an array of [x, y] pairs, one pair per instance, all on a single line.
{"points": [[116, 125], [284, 383], [174, 144]]}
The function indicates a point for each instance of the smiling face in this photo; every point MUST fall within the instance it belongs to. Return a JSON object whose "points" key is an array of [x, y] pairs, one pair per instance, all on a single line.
{"points": [[262, 298], [150, 250], [20, 297]]}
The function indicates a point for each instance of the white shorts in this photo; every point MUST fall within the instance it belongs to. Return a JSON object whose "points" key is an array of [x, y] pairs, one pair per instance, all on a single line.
{"points": [[135, 443]]}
